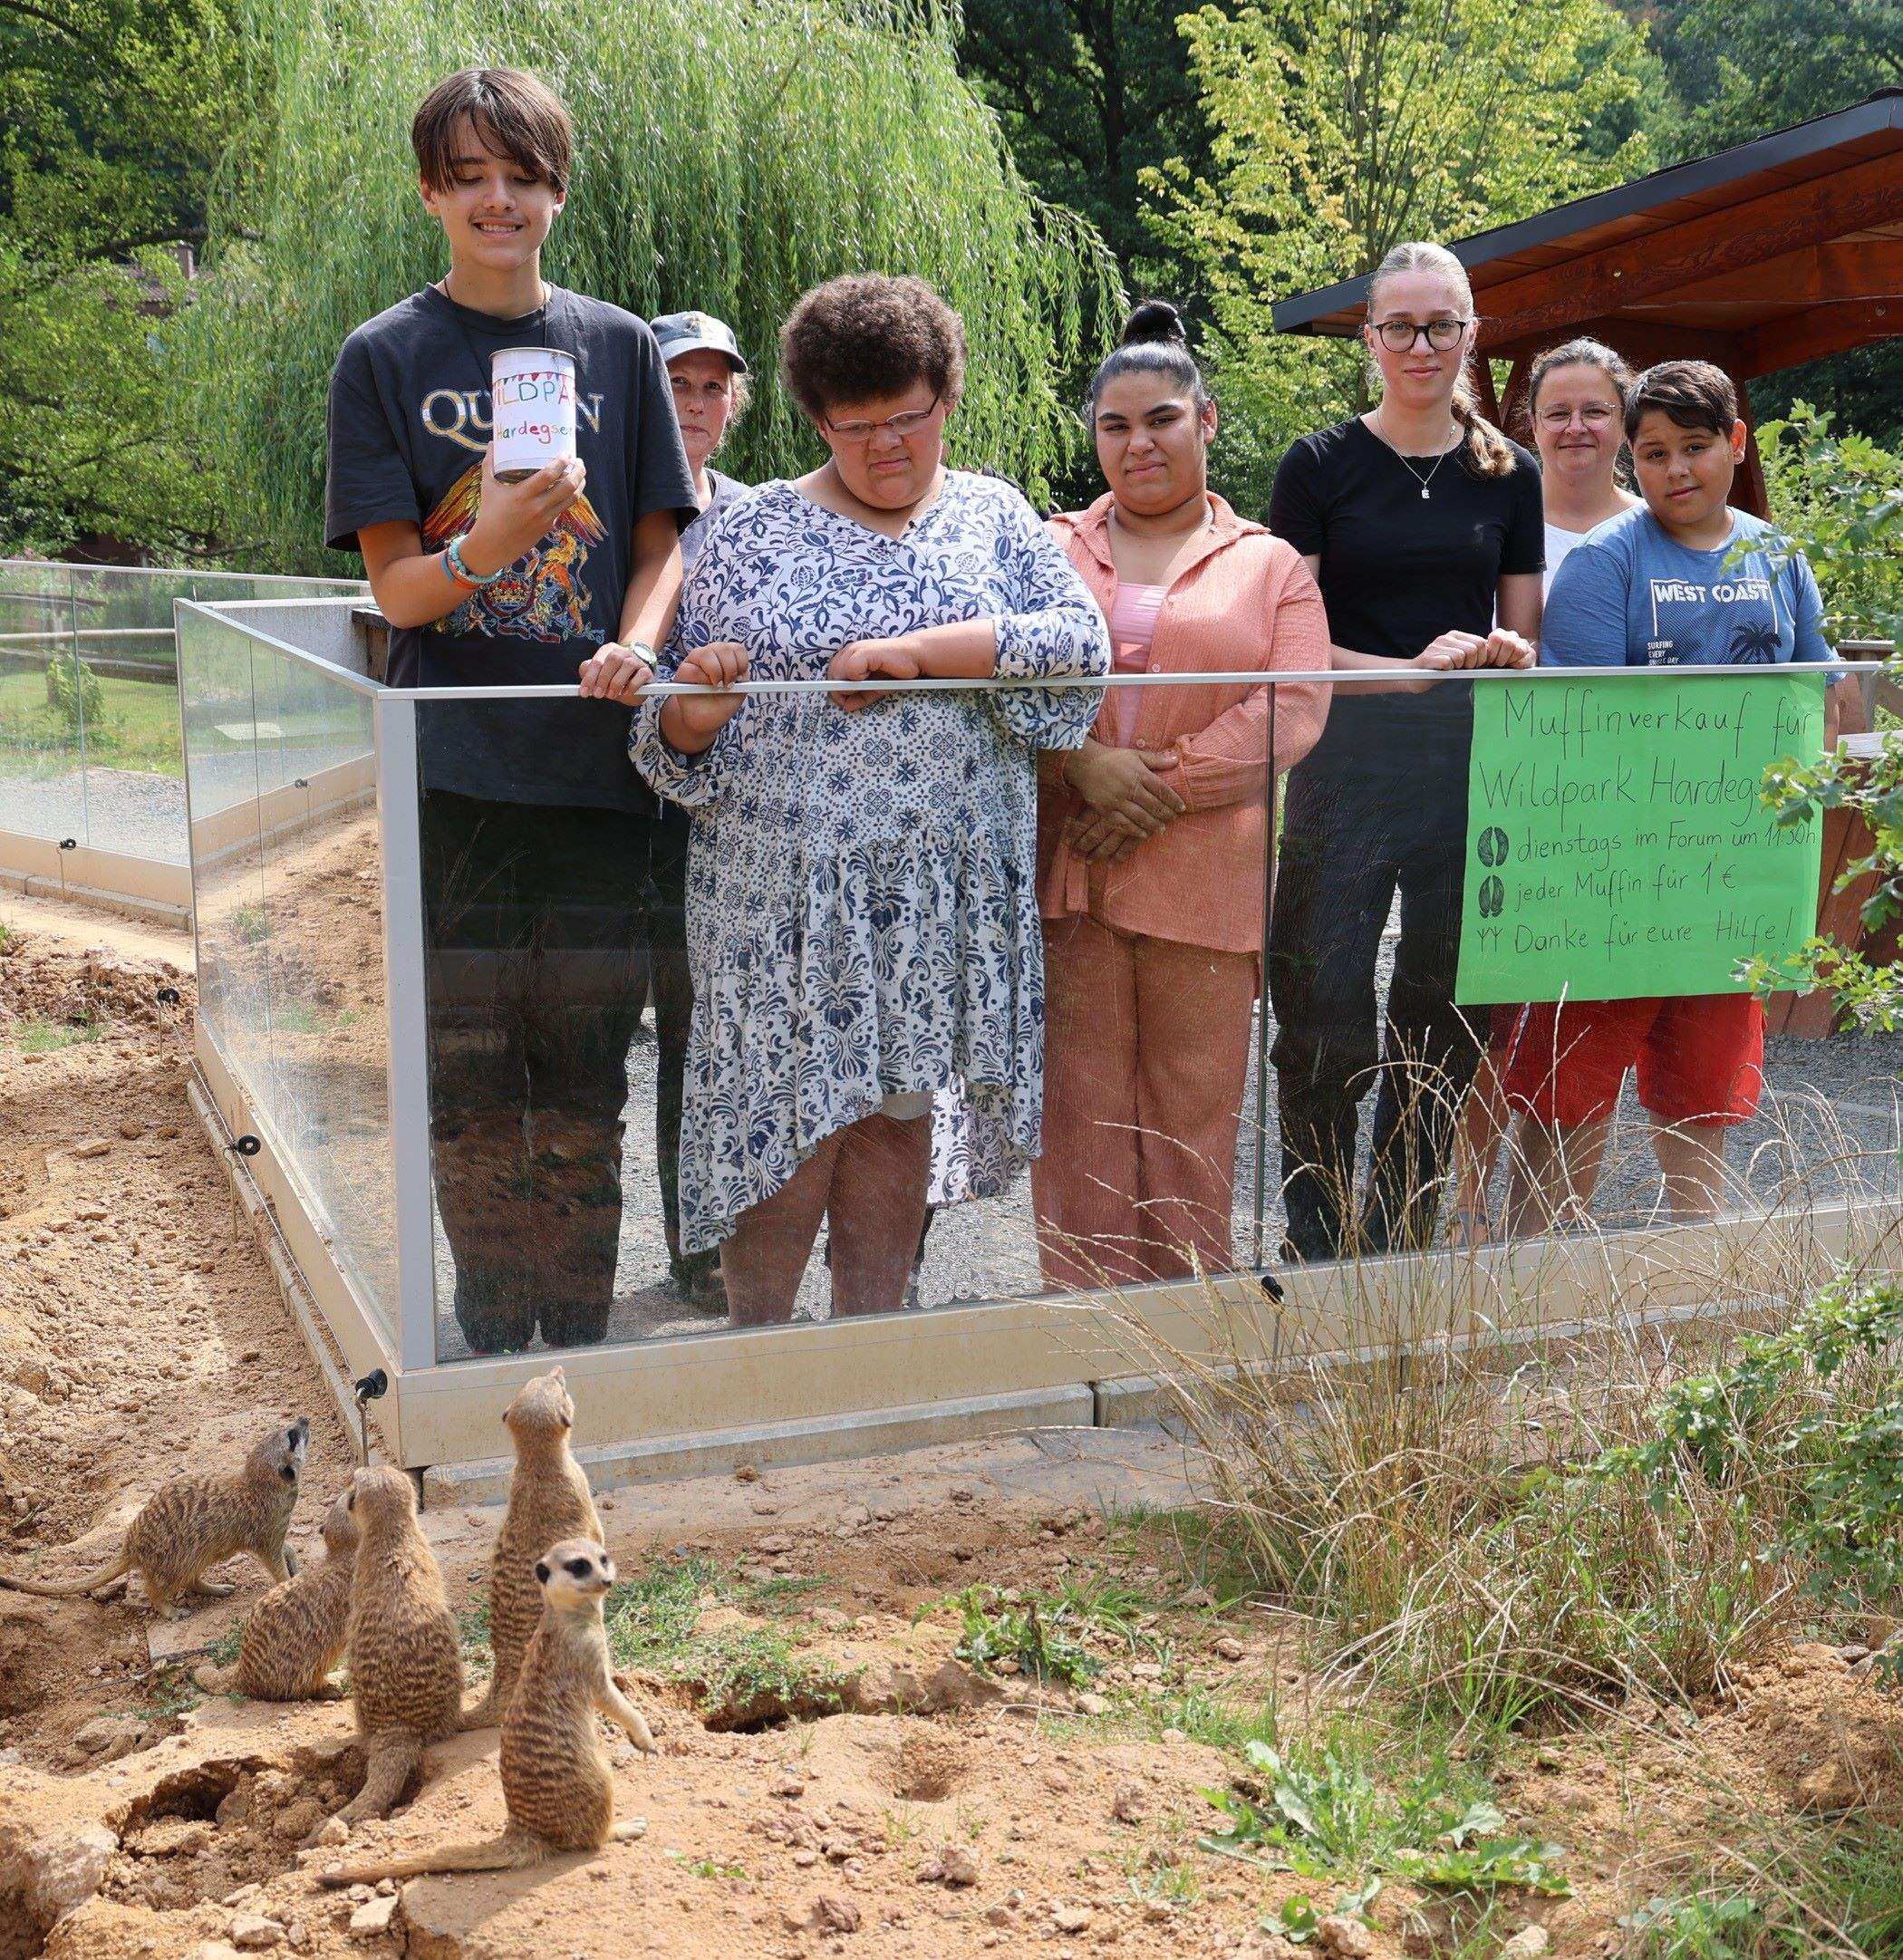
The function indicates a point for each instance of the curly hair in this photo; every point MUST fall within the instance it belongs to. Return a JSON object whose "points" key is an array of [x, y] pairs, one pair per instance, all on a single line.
{"points": [[865, 338]]}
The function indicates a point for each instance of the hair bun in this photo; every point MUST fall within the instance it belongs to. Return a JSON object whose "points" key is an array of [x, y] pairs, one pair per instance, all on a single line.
{"points": [[1153, 320]]}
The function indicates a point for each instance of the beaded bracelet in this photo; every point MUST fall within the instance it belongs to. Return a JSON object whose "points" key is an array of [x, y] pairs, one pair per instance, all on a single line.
{"points": [[460, 573]]}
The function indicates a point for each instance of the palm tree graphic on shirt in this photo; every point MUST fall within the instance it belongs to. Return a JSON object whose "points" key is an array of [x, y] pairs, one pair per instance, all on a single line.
{"points": [[1754, 643]]}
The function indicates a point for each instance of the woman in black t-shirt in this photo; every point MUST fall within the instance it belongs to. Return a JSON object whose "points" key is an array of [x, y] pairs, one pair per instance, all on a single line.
{"points": [[1423, 524]]}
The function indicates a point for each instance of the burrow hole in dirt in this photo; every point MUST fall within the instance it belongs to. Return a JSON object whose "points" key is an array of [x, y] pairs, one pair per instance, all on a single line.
{"points": [[927, 1767], [203, 1833], [752, 1713]]}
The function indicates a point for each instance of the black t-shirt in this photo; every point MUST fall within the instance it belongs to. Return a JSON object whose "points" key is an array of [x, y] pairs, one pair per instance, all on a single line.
{"points": [[410, 419], [1398, 570]]}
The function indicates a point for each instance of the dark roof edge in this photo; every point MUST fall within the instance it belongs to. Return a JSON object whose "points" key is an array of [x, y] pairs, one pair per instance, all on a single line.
{"points": [[1884, 110]]}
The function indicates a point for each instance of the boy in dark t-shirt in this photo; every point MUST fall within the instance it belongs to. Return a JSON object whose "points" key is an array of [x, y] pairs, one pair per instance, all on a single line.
{"points": [[536, 829]]}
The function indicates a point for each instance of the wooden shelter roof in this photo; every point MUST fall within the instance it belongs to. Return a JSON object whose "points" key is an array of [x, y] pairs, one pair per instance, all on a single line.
{"points": [[1777, 252]]}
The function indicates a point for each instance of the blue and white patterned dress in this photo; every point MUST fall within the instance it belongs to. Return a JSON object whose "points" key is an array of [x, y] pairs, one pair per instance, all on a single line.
{"points": [[861, 920]]}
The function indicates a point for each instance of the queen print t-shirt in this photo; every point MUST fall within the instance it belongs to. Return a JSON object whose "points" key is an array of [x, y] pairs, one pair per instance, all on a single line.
{"points": [[410, 419], [1632, 595]]}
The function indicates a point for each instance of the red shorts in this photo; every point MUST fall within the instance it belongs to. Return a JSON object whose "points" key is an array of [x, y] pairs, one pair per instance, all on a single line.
{"points": [[1700, 1058]]}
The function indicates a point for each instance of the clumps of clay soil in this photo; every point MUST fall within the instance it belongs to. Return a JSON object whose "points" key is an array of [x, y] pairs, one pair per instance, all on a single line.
{"points": [[46, 983], [1827, 1732], [222, 1825]]}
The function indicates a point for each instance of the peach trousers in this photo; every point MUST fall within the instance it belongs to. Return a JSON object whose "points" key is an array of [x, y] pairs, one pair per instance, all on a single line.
{"points": [[1146, 1053]]}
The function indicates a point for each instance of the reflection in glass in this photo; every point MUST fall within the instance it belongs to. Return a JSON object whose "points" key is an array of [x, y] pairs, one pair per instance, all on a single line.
{"points": [[551, 1114], [287, 885]]}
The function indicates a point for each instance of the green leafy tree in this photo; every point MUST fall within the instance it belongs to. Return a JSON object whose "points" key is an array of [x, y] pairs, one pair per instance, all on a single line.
{"points": [[1340, 127], [113, 117], [726, 158], [1091, 93], [1739, 69]]}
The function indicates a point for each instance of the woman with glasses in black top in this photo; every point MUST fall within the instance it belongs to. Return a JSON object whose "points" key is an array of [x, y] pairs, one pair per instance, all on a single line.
{"points": [[1422, 524]]}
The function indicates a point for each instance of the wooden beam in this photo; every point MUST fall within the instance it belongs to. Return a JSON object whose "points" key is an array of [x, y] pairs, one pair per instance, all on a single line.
{"points": [[1642, 342], [1747, 489], [1848, 268], [1512, 404], [1770, 227], [1829, 330], [1481, 374]]}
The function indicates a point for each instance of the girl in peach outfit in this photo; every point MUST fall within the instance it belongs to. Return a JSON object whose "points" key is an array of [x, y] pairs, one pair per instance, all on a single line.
{"points": [[1150, 838]]}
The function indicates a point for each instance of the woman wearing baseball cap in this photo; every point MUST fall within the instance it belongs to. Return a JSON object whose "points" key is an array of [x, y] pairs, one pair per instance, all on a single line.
{"points": [[707, 376]]}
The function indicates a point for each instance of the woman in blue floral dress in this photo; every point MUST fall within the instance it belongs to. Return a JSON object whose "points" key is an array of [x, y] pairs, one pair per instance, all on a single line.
{"points": [[862, 915]]}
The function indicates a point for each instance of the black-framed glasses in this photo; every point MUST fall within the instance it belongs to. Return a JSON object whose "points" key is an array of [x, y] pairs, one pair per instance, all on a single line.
{"points": [[908, 422], [1401, 336]]}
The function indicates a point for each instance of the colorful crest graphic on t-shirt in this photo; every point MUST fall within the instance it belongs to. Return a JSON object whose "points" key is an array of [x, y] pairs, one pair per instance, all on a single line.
{"points": [[542, 596]]}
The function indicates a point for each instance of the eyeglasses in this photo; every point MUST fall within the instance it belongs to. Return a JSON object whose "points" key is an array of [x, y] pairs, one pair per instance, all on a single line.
{"points": [[1594, 415], [1401, 336], [908, 423]]}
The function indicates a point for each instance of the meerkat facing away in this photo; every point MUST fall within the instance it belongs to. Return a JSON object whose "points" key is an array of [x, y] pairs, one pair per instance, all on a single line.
{"points": [[548, 1501], [296, 1632], [556, 1782], [405, 1668], [197, 1521]]}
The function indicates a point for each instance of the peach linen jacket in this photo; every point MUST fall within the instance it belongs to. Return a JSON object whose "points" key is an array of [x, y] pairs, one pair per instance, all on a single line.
{"points": [[1240, 601]]}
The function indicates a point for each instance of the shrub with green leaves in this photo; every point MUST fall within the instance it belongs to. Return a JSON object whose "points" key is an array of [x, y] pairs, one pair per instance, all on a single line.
{"points": [[1039, 1637], [74, 694], [1839, 499], [727, 157], [1803, 1431], [1319, 1811]]}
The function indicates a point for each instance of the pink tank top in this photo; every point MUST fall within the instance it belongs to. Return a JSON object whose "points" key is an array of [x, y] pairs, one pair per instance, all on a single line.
{"points": [[1132, 632]]}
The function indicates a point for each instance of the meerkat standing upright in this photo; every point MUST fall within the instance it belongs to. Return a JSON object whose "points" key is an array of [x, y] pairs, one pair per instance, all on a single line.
{"points": [[197, 1521], [296, 1632], [405, 1669], [548, 1500], [556, 1782]]}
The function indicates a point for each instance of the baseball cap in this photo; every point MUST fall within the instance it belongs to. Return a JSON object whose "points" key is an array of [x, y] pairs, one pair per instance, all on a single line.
{"points": [[689, 332]]}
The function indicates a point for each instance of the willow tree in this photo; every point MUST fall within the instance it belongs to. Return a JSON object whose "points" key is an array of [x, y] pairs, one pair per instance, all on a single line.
{"points": [[730, 153]]}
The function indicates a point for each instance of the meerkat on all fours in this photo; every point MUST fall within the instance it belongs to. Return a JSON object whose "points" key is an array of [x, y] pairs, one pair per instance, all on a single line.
{"points": [[197, 1521], [556, 1782], [296, 1632], [548, 1501], [405, 1669]]}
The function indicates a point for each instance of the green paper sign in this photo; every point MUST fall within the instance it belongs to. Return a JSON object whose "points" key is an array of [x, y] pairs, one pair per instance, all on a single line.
{"points": [[1618, 843]]}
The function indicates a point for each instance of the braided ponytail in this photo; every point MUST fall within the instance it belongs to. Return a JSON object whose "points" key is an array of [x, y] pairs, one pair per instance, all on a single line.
{"points": [[1485, 447]]}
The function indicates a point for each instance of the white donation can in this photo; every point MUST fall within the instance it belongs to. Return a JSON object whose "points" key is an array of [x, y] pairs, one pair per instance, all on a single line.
{"points": [[532, 391]]}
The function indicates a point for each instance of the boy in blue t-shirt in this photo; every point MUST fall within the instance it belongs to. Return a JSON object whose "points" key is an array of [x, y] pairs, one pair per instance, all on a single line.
{"points": [[1679, 580]]}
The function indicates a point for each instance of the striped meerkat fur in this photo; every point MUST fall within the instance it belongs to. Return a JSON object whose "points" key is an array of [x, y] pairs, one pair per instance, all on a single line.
{"points": [[556, 1782], [296, 1632], [197, 1521], [405, 1664], [548, 1501]]}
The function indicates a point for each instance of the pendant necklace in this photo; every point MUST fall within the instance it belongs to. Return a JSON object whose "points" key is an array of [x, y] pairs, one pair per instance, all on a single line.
{"points": [[1406, 464]]}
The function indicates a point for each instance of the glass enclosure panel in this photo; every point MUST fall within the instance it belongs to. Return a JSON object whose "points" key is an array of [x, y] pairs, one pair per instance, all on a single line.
{"points": [[90, 726], [327, 1082], [221, 763], [287, 883], [43, 789], [830, 988], [1505, 968]]}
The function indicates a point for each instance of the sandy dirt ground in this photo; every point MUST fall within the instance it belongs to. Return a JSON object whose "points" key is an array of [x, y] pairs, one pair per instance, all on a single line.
{"points": [[859, 1786]]}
